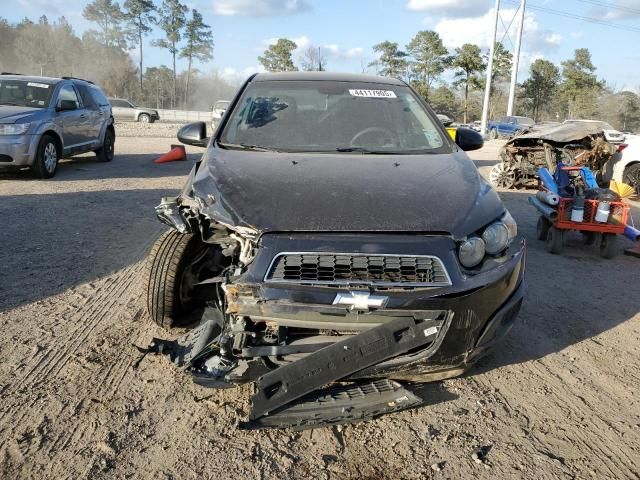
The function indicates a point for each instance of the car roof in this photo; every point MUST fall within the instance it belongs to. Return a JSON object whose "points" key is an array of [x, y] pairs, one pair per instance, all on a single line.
{"points": [[31, 78], [327, 76]]}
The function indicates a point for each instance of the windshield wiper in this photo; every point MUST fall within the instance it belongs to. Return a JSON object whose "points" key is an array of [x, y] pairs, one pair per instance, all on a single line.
{"points": [[363, 150], [244, 146]]}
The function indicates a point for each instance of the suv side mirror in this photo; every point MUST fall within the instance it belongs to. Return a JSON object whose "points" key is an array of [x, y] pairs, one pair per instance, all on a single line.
{"points": [[67, 105], [194, 134], [468, 139]]}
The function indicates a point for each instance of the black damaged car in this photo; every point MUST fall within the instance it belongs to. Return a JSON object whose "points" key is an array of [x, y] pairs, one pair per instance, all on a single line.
{"points": [[334, 246]]}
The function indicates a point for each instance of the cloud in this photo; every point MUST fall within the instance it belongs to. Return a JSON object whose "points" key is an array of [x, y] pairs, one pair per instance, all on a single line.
{"points": [[449, 8], [479, 30], [618, 10], [236, 76], [259, 8]]}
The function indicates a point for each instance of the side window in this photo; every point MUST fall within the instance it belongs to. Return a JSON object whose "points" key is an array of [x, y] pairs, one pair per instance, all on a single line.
{"points": [[87, 100], [119, 103], [98, 97], [67, 92]]}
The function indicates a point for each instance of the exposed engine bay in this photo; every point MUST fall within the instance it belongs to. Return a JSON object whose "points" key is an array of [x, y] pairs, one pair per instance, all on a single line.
{"points": [[328, 369], [546, 146]]}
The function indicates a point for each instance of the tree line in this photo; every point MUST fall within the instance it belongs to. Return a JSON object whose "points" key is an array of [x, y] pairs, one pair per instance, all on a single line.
{"points": [[550, 93], [102, 53]]}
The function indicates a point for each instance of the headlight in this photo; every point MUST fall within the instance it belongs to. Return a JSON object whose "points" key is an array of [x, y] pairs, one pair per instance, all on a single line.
{"points": [[13, 128], [511, 225], [471, 252], [496, 238]]}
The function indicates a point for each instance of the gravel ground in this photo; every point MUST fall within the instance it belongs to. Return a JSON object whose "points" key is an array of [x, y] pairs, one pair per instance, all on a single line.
{"points": [[558, 400], [137, 129]]}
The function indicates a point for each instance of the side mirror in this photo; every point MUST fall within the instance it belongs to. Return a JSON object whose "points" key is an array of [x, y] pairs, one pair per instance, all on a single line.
{"points": [[194, 134], [468, 139], [67, 105]]}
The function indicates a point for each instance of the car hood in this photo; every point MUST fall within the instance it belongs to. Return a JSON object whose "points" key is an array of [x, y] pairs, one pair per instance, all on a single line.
{"points": [[439, 193], [12, 114]]}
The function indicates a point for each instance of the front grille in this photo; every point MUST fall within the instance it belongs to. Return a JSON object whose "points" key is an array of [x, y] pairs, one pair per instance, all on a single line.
{"points": [[355, 268]]}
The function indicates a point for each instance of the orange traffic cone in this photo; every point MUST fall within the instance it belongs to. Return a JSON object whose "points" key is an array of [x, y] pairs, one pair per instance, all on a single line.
{"points": [[176, 153]]}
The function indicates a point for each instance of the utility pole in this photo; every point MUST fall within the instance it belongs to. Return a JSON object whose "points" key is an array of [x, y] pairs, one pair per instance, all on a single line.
{"points": [[516, 60], [487, 87]]}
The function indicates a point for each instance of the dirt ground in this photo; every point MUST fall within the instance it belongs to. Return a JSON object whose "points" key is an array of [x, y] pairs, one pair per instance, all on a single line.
{"points": [[560, 399]]}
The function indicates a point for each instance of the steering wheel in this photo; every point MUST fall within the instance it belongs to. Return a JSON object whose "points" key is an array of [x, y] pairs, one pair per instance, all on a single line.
{"points": [[367, 131]]}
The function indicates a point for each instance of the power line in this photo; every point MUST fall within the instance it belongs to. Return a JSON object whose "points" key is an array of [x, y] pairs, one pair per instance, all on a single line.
{"points": [[599, 3], [581, 17]]}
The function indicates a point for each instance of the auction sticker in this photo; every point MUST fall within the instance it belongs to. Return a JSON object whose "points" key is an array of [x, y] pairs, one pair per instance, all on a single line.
{"points": [[39, 85], [372, 93]]}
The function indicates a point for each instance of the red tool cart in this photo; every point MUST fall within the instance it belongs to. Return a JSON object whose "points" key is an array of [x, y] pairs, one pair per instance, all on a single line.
{"points": [[552, 227]]}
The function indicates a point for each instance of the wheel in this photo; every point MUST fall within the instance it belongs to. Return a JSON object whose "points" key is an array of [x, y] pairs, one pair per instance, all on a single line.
{"points": [[608, 245], [493, 134], [47, 156], [555, 240], [589, 238], [170, 297], [502, 176], [632, 177], [144, 118], [542, 228], [105, 153]]}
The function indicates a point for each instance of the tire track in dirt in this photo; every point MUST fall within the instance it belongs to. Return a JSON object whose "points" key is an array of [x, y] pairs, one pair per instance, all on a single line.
{"points": [[599, 442], [108, 302]]}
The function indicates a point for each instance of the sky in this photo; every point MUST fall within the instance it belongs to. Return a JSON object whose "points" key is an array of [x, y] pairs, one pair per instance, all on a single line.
{"points": [[347, 30]]}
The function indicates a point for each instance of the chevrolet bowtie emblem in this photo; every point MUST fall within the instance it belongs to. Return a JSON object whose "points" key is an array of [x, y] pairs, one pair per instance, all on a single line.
{"points": [[360, 300]]}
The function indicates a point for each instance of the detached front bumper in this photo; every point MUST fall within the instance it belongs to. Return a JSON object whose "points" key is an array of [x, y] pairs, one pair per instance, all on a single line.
{"points": [[471, 315]]}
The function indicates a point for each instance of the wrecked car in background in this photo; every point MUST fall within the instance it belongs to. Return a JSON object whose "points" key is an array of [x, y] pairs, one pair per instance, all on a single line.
{"points": [[579, 144], [336, 246]]}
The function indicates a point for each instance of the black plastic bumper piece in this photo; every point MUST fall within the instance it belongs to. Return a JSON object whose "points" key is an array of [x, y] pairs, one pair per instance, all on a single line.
{"points": [[329, 364], [340, 404]]}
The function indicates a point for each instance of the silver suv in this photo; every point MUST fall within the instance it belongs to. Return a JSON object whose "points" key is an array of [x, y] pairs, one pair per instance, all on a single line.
{"points": [[126, 110], [44, 119]]}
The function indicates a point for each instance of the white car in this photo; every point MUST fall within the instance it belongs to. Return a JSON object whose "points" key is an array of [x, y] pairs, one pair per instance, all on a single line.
{"points": [[625, 164], [611, 134], [218, 111]]}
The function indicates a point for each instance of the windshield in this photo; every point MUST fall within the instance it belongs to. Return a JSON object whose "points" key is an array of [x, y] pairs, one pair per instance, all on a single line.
{"points": [[595, 123], [525, 120], [330, 116], [24, 93]]}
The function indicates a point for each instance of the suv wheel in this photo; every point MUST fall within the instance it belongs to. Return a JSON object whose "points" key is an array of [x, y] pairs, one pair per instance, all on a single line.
{"points": [[493, 134], [47, 156], [105, 153], [144, 118]]}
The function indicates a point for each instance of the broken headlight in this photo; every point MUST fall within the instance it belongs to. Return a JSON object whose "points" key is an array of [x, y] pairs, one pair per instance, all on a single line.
{"points": [[495, 238]]}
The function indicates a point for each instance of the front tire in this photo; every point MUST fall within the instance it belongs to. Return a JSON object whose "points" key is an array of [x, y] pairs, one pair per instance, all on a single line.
{"points": [[144, 118], [170, 300], [555, 240], [106, 152], [493, 134], [47, 157], [542, 228]]}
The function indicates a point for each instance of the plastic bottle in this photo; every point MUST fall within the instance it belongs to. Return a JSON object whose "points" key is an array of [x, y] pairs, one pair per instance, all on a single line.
{"points": [[602, 213]]}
